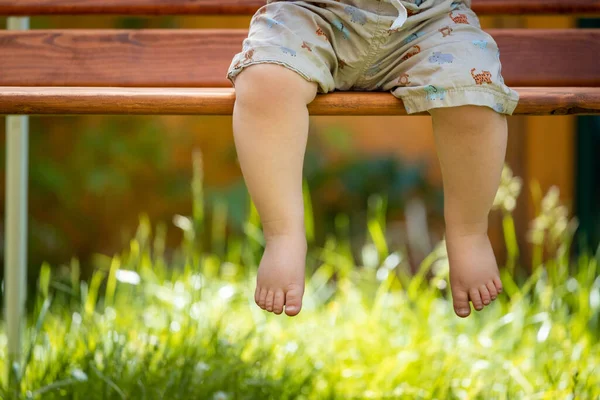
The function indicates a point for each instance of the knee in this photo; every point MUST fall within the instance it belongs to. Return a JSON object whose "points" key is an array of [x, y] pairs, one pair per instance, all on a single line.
{"points": [[267, 84]]}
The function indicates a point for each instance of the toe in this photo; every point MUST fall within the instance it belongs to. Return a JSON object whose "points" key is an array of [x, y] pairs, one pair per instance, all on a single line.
{"points": [[498, 284], [262, 298], [485, 295], [269, 301], [492, 289], [461, 304], [257, 295], [293, 300], [278, 302], [476, 299]]}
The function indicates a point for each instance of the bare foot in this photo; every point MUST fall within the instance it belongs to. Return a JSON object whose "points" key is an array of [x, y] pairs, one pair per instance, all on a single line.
{"points": [[474, 273], [280, 280]]}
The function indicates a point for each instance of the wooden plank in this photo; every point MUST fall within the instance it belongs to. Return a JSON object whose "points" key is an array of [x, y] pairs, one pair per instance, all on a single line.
{"points": [[219, 101], [536, 7], [200, 58], [248, 7]]}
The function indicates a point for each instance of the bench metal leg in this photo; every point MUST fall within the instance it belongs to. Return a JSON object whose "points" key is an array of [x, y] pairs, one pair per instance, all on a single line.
{"points": [[15, 251]]}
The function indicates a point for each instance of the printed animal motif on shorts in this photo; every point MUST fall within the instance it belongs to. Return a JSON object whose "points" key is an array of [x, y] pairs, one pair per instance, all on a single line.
{"points": [[434, 93], [499, 107], [403, 80], [287, 50], [271, 22], [247, 58], [483, 77], [482, 44], [411, 38], [455, 5], [320, 32], [306, 46], [441, 58], [446, 31], [340, 26], [356, 15], [410, 12], [412, 52], [341, 63], [459, 19]]}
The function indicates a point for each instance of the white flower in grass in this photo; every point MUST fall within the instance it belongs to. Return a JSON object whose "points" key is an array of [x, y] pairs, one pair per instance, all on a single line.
{"points": [[39, 352], [201, 368], [79, 375], [196, 281], [226, 292], [392, 261], [126, 276], [175, 326], [551, 199], [509, 190], [291, 347], [183, 223], [370, 256], [220, 395], [382, 274], [553, 222]]}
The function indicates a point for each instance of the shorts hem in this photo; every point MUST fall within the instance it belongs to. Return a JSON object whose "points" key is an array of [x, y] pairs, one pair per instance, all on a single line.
{"points": [[477, 96], [233, 72]]}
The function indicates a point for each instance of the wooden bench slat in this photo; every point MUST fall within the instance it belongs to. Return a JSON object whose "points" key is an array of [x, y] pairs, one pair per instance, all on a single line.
{"points": [[200, 58], [188, 101], [248, 7]]}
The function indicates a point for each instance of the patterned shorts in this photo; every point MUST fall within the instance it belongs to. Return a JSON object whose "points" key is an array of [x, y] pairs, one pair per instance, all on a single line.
{"points": [[429, 53]]}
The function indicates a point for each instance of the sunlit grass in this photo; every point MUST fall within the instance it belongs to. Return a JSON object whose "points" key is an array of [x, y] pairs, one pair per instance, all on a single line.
{"points": [[140, 329]]}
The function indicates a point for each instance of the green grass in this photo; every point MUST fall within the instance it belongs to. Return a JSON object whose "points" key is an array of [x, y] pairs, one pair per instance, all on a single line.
{"points": [[191, 330]]}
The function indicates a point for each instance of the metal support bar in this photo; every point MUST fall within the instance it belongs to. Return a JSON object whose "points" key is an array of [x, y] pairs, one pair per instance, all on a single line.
{"points": [[15, 250]]}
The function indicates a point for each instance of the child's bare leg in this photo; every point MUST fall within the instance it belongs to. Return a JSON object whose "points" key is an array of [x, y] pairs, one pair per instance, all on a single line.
{"points": [[270, 125], [471, 145]]}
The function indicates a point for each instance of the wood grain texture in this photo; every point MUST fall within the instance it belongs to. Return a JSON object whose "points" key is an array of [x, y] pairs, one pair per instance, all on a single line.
{"points": [[200, 58], [188, 101], [248, 7]]}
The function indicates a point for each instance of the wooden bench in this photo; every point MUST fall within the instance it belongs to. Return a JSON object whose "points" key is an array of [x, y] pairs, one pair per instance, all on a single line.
{"points": [[109, 71], [184, 70]]}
